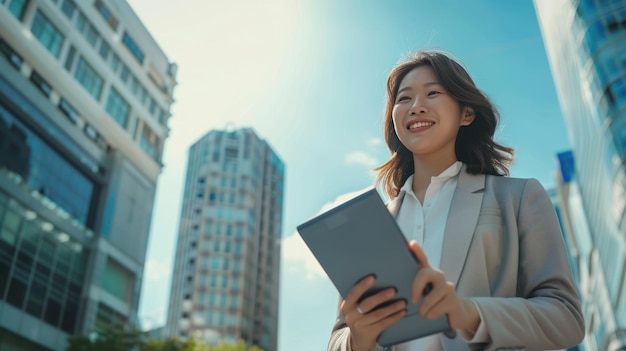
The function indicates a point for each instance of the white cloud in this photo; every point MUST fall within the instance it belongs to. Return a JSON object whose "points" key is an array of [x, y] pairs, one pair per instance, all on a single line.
{"points": [[157, 271], [362, 158], [374, 142], [297, 258]]}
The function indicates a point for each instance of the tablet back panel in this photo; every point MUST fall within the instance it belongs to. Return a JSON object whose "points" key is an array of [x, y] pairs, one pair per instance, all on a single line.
{"points": [[359, 238]]}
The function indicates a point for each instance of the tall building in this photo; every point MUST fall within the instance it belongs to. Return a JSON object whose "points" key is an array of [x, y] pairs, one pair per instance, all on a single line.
{"points": [[586, 45], [226, 273], [85, 93]]}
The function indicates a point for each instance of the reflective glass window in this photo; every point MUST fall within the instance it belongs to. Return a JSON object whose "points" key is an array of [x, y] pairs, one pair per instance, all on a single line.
{"points": [[68, 7], [118, 281], [118, 108], [69, 60], [133, 47], [125, 73], [114, 63], [81, 22], [17, 8], [88, 78], [106, 14], [92, 36], [47, 34], [149, 142], [105, 49], [43, 168]]}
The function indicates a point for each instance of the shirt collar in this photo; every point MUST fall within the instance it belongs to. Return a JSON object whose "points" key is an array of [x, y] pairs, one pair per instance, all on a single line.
{"points": [[450, 172]]}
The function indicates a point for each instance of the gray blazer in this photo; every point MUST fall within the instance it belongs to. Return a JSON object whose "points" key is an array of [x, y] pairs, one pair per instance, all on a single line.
{"points": [[514, 266]]}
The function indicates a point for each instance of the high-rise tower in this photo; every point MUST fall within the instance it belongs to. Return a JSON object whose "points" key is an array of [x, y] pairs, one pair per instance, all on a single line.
{"points": [[586, 45], [85, 94], [226, 273]]}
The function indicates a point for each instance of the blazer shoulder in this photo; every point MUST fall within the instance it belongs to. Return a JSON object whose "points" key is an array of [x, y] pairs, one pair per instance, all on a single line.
{"points": [[512, 183]]}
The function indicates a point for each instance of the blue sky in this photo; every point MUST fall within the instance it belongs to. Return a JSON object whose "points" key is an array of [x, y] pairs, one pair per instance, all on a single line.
{"points": [[309, 76]]}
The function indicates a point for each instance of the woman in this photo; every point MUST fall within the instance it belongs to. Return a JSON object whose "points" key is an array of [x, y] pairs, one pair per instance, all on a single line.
{"points": [[490, 246]]}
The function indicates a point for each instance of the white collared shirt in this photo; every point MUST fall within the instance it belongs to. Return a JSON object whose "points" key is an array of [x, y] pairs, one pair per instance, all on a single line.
{"points": [[426, 224]]}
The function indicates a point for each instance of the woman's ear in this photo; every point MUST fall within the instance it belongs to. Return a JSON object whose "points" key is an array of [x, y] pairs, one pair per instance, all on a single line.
{"points": [[468, 116]]}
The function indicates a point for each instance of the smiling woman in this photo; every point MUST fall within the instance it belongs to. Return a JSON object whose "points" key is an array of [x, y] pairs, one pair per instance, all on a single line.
{"points": [[492, 260]]}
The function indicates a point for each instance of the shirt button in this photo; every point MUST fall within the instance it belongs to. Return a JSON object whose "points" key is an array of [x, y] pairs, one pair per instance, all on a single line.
{"points": [[428, 204], [419, 227]]}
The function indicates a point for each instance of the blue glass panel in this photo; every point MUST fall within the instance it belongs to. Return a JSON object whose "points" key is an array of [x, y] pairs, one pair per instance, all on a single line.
{"points": [[44, 122], [43, 168]]}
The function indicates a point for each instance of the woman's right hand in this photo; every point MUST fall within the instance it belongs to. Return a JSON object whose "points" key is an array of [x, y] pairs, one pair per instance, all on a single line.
{"points": [[365, 322]]}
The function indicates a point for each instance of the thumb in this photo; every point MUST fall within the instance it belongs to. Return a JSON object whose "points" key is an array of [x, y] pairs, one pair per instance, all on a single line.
{"points": [[418, 252]]}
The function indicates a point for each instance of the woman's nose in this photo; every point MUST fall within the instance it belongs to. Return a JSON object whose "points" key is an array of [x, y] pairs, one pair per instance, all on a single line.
{"points": [[417, 108]]}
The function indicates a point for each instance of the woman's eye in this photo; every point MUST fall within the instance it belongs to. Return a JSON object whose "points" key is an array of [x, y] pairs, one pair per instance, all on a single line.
{"points": [[403, 98], [433, 93]]}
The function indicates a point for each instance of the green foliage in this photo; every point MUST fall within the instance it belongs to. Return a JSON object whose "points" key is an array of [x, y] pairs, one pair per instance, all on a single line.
{"points": [[134, 340]]}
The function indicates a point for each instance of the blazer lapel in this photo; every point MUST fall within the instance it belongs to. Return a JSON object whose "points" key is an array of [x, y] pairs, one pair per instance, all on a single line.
{"points": [[462, 219]]}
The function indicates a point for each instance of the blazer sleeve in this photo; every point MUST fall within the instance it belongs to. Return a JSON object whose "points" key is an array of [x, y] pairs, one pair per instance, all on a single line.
{"points": [[341, 334], [546, 313]]}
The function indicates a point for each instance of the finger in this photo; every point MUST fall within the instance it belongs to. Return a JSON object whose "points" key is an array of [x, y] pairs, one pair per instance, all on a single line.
{"points": [[357, 291], [432, 305], [371, 302], [418, 252], [425, 280], [381, 317]]}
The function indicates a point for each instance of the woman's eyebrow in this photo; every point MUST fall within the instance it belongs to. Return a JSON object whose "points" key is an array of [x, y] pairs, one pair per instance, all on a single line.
{"points": [[426, 85], [404, 89]]}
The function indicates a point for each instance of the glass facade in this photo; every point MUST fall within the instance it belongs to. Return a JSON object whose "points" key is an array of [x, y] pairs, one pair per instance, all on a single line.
{"points": [[17, 8], [118, 108], [44, 169], [75, 202], [47, 34], [88, 78], [41, 268], [586, 44]]}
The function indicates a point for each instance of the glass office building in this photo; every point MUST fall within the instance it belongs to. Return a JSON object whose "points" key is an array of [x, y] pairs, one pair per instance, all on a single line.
{"points": [[586, 45], [85, 94], [226, 273]]}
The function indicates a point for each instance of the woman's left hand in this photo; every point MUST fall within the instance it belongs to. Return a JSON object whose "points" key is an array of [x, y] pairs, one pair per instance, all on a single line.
{"points": [[442, 298]]}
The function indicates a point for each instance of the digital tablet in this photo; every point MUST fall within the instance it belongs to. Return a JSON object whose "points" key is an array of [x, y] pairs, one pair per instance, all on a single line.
{"points": [[358, 238]]}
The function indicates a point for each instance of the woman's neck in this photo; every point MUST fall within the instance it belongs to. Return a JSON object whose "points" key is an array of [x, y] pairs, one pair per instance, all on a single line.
{"points": [[425, 169]]}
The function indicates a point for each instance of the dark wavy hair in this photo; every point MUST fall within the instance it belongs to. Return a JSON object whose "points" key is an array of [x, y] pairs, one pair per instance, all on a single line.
{"points": [[474, 146]]}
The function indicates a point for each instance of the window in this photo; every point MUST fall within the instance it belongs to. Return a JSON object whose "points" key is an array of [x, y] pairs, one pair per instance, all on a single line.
{"points": [[107, 318], [92, 36], [118, 281], [18, 7], [105, 49], [8, 52], [40, 83], [134, 85], [152, 108], [162, 116], [106, 14], [81, 22], [88, 78], [143, 95], [114, 63], [68, 7], [125, 74], [69, 111], [47, 34], [118, 108], [45, 170], [69, 60], [149, 142], [132, 46]]}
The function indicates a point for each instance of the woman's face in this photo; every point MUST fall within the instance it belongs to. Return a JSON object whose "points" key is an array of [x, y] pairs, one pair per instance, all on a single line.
{"points": [[425, 117]]}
